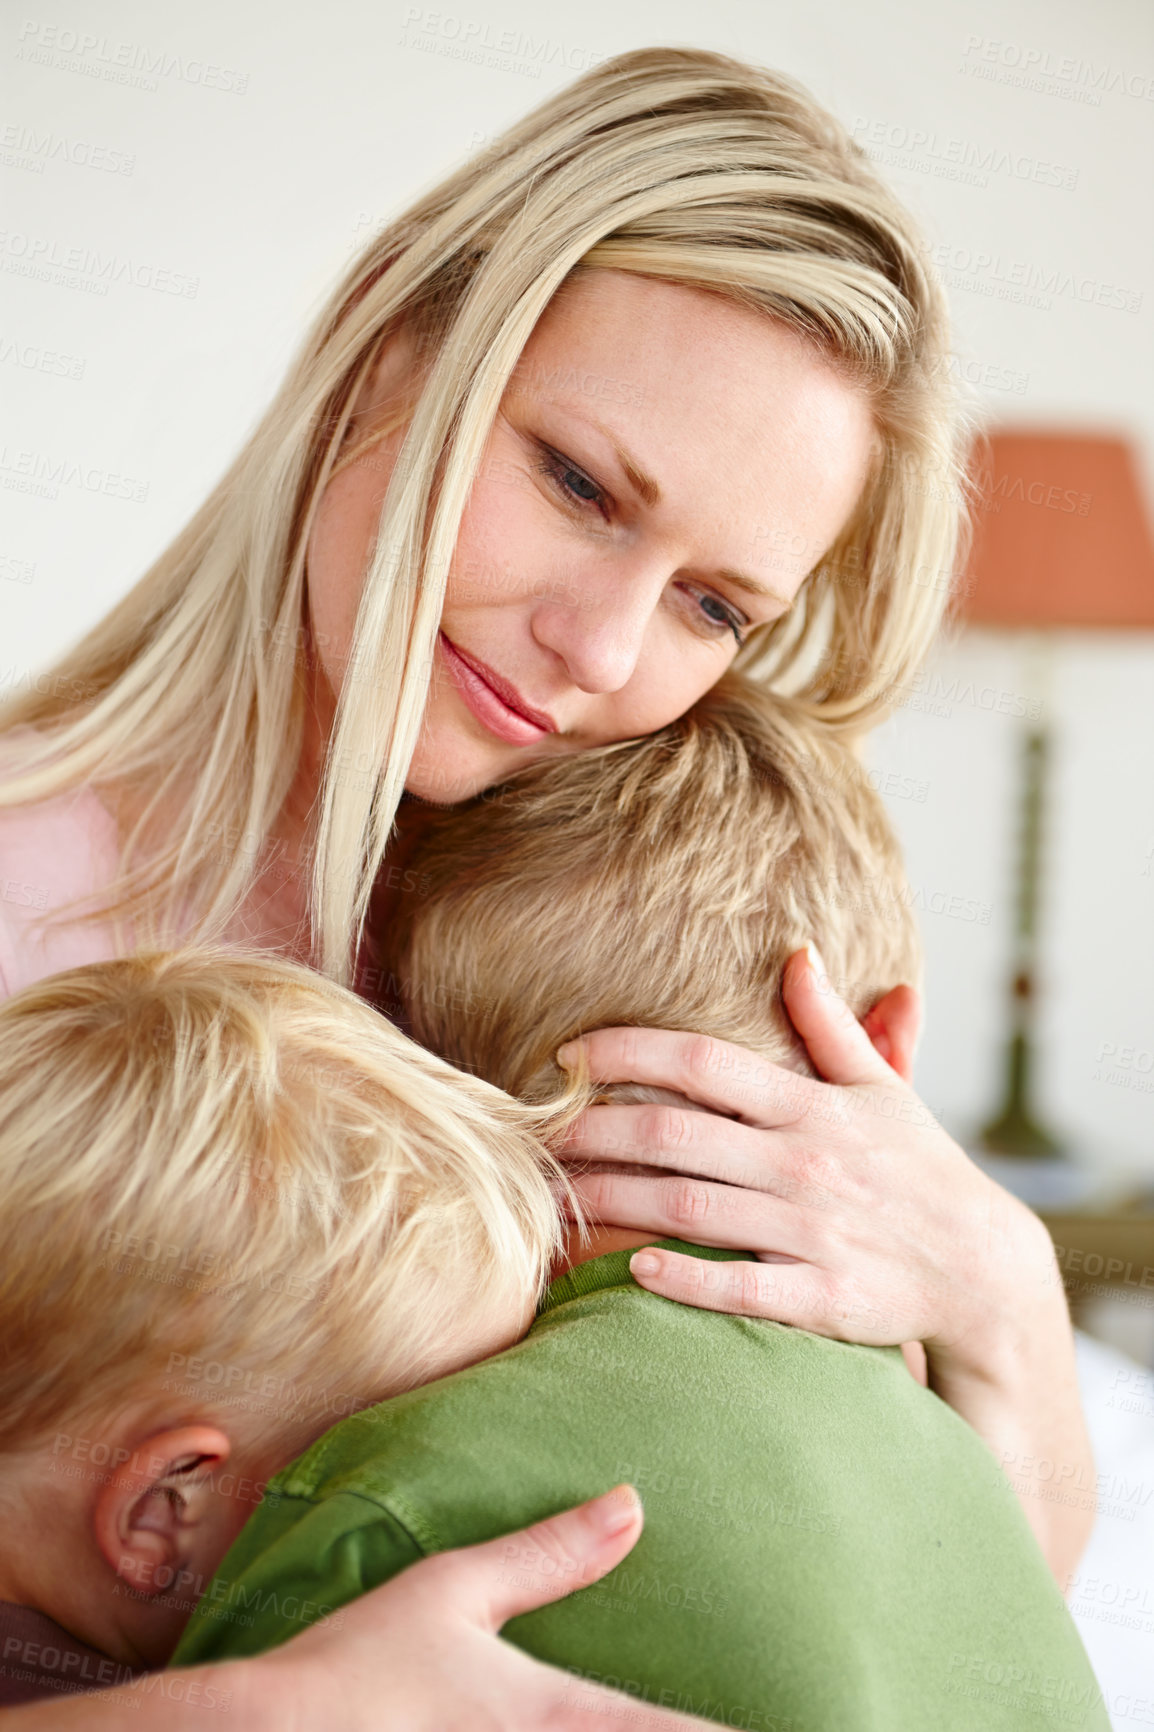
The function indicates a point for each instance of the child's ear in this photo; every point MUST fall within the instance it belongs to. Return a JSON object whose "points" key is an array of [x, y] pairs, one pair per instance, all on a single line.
{"points": [[893, 1026], [147, 1517]]}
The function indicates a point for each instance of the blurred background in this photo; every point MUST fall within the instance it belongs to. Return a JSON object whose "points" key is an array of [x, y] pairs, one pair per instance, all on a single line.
{"points": [[182, 189]]}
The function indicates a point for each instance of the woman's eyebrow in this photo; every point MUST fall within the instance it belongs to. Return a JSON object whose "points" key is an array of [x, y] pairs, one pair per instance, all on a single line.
{"points": [[752, 586], [642, 484], [648, 490]]}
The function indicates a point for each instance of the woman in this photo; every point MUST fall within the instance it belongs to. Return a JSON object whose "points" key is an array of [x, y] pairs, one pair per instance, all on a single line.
{"points": [[657, 386]]}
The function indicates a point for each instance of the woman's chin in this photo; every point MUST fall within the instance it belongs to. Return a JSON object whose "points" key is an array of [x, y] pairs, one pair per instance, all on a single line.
{"points": [[446, 778], [456, 758]]}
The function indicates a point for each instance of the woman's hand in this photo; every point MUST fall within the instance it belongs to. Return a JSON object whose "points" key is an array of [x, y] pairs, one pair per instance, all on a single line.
{"points": [[420, 1654], [866, 1223]]}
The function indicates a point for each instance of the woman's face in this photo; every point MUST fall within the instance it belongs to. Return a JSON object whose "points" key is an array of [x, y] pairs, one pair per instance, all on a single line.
{"points": [[665, 469]]}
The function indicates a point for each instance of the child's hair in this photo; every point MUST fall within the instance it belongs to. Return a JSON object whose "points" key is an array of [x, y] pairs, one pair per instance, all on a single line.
{"points": [[657, 883], [224, 1178]]}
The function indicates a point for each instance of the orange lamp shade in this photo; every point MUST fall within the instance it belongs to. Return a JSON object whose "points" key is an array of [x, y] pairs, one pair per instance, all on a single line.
{"points": [[1061, 533]]}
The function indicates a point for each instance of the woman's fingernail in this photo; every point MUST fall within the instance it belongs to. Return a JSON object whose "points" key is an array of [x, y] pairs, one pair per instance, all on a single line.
{"points": [[645, 1263], [567, 1055], [815, 960], [616, 1510]]}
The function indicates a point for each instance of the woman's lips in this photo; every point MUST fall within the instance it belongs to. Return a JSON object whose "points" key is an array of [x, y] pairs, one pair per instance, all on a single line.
{"points": [[493, 701]]}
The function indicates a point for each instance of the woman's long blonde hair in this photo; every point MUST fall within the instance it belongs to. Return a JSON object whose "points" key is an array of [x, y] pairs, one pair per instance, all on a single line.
{"points": [[674, 163]]}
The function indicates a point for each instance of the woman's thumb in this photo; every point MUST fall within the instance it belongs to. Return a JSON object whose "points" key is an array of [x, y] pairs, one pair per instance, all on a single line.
{"points": [[502, 1578]]}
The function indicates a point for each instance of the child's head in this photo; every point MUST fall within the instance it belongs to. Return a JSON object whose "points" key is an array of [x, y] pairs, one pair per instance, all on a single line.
{"points": [[235, 1204], [657, 883]]}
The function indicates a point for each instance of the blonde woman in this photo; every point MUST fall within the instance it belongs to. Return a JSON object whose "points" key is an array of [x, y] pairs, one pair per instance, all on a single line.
{"points": [[654, 387]]}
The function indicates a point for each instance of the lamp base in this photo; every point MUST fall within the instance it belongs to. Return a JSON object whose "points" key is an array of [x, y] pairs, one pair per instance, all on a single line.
{"points": [[1015, 1131]]}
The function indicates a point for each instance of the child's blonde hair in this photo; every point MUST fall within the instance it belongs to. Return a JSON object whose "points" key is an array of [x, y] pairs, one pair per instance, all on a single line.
{"points": [[225, 1180], [657, 883], [675, 163]]}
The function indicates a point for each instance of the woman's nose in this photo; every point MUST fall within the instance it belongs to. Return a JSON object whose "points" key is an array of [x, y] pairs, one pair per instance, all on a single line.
{"points": [[597, 623]]}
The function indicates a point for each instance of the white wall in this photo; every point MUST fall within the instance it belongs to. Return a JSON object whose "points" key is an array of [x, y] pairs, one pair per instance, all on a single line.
{"points": [[222, 193], [951, 755]]}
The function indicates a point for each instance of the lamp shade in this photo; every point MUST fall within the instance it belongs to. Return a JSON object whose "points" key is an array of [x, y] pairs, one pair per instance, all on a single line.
{"points": [[1061, 533]]}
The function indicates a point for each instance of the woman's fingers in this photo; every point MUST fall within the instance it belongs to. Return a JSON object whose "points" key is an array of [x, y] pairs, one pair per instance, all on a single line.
{"points": [[576, 1705], [483, 1586], [785, 1292], [498, 1580], [693, 1209], [431, 1635], [678, 1139], [711, 1153], [717, 1075]]}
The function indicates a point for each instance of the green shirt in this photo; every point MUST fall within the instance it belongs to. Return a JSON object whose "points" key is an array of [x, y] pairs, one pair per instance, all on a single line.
{"points": [[828, 1547]]}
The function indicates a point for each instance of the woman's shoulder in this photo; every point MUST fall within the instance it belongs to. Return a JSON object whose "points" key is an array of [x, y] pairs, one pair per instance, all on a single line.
{"points": [[51, 852]]}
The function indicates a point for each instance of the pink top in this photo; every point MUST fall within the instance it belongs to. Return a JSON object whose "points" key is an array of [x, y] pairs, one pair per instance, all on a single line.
{"points": [[51, 852]]}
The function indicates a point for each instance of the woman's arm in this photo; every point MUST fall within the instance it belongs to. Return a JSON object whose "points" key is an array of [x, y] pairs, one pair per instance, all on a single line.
{"points": [[868, 1224], [420, 1654]]}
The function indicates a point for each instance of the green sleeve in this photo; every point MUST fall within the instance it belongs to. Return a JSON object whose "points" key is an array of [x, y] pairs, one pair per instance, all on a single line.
{"points": [[306, 1560]]}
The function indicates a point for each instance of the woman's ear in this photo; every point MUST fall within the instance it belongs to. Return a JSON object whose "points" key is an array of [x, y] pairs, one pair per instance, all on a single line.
{"points": [[893, 1026], [384, 400], [148, 1514]]}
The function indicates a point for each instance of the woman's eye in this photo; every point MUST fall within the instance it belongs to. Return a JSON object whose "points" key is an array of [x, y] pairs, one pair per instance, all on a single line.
{"points": [[576, 485], [713, 614], [718, 613]]}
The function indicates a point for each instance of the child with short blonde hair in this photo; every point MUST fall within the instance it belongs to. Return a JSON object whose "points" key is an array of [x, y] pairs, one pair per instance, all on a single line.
{"points": [[235, 1205], [827, 1546], [658, 883]]}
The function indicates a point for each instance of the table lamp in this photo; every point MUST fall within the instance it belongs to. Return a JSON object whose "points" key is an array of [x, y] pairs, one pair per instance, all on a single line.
{"points": [[1061, 540]]}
